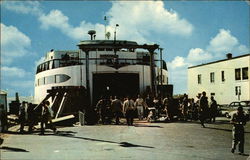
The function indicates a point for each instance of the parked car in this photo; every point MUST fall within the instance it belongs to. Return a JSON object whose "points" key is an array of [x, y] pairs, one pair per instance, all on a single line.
{"points": [[232, 108]]}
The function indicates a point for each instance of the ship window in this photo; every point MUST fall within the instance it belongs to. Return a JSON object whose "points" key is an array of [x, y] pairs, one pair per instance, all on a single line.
{"points": [[41, 81], [237, 74], [62, 78], [56, 63], [50, 64], [49, 79], [245, 73]]}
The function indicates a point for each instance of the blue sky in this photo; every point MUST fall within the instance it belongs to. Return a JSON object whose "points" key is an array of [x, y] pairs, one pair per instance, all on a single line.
{"points": [[191, 33]]}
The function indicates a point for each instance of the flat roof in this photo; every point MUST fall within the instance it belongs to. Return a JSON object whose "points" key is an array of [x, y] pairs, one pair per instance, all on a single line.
{"points": [[245, 55], [106, 42]]}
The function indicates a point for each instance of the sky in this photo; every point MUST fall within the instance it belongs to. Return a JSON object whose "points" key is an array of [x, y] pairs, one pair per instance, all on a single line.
{"points": [[190, 32]]}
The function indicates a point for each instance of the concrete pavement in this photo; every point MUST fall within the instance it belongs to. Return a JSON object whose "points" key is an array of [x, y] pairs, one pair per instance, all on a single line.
{"points": [[175, 141]]}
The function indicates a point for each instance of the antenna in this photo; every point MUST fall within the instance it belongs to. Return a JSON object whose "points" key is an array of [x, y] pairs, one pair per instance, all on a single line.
{"points": [[105, 35], [117, 25]]}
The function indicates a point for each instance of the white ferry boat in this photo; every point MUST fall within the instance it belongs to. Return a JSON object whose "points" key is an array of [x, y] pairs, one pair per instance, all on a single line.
{"points": [[104, 67]]}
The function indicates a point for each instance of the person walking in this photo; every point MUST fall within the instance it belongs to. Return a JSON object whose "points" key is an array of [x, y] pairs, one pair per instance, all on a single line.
{"points": [[47, 115], [101, 107], [3, 119], [116, 106], [203, 108], [184, 107], [139, 104], [238, 120], [213, 109], [22, 115], [128, 109]]}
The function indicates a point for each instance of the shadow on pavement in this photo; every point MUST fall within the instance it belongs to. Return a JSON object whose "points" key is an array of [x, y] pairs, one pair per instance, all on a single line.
{"points": [[143, 125], [222, 129], [13, 149], [70, 134]]}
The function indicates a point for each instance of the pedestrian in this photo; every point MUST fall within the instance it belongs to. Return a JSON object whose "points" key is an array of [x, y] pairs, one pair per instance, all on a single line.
{"points": [[128, 109], [203, 108], [213, 109], [238, 120], [149, 104], [101, 107], [109, 114], [22, 115], [139, 104], [3, 119], [192, 110], [157, 106], [184, 107], [116, 106], [31, 116], [46, 118]]}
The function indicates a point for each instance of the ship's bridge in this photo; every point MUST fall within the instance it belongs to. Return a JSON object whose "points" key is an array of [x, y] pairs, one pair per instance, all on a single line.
{"points": [[102, 52]]}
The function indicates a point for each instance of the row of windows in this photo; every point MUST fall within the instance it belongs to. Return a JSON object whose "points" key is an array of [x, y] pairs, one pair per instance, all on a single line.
{"points": [[58, 78], [240, 74]]}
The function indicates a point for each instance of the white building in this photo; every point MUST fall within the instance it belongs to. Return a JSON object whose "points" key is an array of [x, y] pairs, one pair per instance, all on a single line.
{"points": [[227, 80]]}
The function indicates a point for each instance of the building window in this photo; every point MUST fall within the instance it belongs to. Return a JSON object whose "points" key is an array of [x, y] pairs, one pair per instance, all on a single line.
{"points": [[212, 77], [237, 74], [199, 78], [222, 76], [245, 73], [238, 91]]}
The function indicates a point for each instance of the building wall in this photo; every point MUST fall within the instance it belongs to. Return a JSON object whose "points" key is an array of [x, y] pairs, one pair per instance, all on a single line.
{"points": [[224, 91]]}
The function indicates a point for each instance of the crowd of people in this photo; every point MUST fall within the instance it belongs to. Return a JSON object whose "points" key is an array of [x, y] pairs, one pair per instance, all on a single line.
{"points": [[148, 108], [155, 108]]}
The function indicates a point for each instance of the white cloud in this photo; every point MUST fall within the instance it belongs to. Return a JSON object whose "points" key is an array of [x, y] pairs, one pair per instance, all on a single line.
{"points": [[25, 7], [58, 20], [198, 55], [136, 20], [144, 17], [178, 62], [221, 44], [14, 72], [224, 42], [14, 43]]}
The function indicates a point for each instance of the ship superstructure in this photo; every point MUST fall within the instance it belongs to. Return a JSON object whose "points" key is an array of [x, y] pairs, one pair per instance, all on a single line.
{"points": [[104, 67]]}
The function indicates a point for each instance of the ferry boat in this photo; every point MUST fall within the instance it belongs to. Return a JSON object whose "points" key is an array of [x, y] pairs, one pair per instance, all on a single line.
{"points": [[104, 67]]}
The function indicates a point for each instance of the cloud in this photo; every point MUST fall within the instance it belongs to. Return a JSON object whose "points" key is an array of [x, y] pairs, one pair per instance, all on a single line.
{"points": [[144, 17], [137, 20], [198, 55], [14, 72], [221, 44], [24, 7], [224, 42], [178, 62], [14, 43]]}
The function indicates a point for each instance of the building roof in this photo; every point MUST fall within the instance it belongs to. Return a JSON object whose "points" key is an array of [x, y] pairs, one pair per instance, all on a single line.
{"points": [[227, 59]]}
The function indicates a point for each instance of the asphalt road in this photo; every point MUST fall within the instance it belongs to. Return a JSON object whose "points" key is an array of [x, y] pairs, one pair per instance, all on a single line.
{"points": [[173, 141]]}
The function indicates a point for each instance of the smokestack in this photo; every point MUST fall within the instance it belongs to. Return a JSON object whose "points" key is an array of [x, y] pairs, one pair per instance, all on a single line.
{"points": [[92, 34], [229, 56]]}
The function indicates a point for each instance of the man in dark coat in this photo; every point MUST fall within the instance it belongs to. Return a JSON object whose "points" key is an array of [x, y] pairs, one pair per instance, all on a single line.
{"points": [[213, 109], [238, 120], [116, 106], [204, 111]]}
